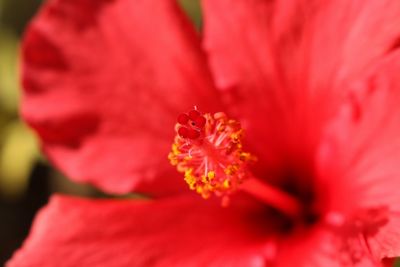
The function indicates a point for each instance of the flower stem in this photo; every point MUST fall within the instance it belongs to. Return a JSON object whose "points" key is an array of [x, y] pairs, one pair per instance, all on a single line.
{"points": [[272, 196]]}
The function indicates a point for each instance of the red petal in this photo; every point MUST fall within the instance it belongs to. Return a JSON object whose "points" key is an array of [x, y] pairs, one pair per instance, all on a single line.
{"points": [[359, 163], [175, 232], [335, 40], [104, 81], [386, 243], [241, 57], [280, 64], [321, 247]]}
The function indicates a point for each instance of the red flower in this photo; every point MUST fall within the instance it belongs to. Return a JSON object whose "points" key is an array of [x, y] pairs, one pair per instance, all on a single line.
{"points": [[314, 84]]}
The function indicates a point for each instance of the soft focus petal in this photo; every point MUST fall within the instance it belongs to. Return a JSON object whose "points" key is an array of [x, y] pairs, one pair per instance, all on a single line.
{"points": [[330, 41], [320, 247], [173, 232], [386, 242], [280, 64], [104, 82], [360, 160], [236, 37]]}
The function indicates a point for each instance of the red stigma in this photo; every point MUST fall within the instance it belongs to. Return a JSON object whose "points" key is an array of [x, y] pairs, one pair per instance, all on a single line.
{"points": [[191, 124]]}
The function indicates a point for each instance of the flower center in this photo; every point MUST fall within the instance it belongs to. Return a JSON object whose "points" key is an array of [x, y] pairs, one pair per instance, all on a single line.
{"points": [[208, 150]]}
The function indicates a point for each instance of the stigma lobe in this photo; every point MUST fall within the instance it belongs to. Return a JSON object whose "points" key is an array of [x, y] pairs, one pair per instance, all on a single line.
{"points": [[191, 124]]}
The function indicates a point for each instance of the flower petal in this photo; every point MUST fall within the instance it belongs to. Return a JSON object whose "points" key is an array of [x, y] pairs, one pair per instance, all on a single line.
{"points": [[321, 247], [180, 231], [386, 243], [359, 162], [104, 82], [236, 37], [280, 64], [334, 38]]}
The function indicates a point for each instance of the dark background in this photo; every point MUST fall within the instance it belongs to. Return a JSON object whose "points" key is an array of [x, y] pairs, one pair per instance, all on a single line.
{"points": [[24, 186]]}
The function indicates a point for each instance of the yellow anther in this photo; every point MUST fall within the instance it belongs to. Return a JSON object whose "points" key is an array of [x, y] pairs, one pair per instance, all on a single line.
{"points": [[172, 159], [226, 184], [173, 155], [211, 175], [231, 169], [245, 156], [220, 128], [175, 149], [189, 172], [190, 178], [203, 192], [199, 190], [237, 136], [181, 167]]}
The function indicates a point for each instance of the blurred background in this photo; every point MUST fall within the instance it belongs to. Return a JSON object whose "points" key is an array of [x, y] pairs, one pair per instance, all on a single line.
{"points": [[26, 178]]}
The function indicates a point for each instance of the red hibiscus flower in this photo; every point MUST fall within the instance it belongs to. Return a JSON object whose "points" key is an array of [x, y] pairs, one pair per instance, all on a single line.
{"points": [[313, 84]]}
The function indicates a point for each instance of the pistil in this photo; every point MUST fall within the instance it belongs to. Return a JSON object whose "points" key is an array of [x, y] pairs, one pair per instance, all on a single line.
{"points": [[208, 150], [272, 196]]}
